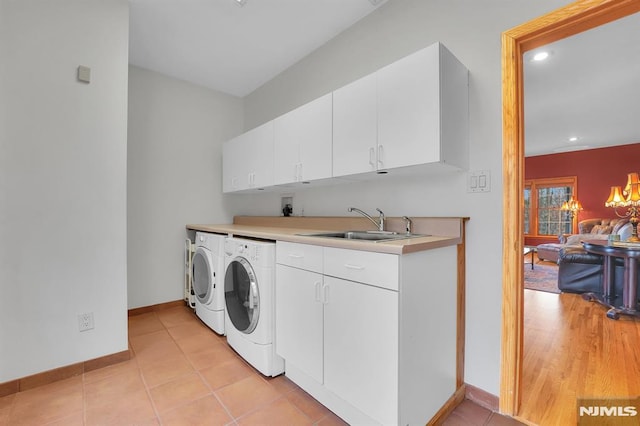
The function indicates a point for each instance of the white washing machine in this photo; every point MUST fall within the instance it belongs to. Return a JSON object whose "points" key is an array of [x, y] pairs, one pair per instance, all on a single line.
{"points": [[249, 286], [208, 279]]}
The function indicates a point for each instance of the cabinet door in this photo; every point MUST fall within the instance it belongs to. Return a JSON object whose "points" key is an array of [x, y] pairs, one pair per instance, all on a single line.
{"points": [[299, 319], [247, 160], [259, 155], [235, 172], [409, 110], [355, 129], [361, 347], [303, 142]]}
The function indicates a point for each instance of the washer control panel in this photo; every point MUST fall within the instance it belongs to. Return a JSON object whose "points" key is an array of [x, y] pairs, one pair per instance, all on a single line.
{"points": [[253, 251]]}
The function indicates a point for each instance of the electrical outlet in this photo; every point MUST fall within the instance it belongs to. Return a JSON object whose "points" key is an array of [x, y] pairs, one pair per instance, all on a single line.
{"points": [[85, 321], [286, 205]]}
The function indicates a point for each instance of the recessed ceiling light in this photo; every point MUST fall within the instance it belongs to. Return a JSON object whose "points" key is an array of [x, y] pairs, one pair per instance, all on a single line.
{"points": [[540, 56], [573, 138]]}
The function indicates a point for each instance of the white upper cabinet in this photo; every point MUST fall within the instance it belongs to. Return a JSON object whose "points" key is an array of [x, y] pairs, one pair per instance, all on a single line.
{"points": [[410, 115], [303, 143], [248, 160], [355, 127], [423, 112], [412, 112], [408, 108]]}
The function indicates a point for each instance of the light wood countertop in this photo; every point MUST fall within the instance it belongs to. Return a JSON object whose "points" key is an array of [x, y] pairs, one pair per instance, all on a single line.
{"points": [[439, 232]]}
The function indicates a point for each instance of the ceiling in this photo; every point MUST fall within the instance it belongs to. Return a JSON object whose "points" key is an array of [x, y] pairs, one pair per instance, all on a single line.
{"points": [[588, 88], [234, 49]]}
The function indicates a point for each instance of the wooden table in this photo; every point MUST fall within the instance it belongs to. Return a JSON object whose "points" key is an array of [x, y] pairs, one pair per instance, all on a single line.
{"points": [[532, 250], [631, 255]]}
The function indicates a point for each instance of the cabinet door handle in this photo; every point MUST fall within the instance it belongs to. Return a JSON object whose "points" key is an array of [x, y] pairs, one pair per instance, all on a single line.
{"points": [[380, 155], [318, 289], [372, 161], [356, 267], [325, 294], [296, 256]]}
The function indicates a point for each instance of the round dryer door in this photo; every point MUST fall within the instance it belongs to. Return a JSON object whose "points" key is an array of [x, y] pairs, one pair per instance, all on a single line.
{"points": [[241, 295], [202, 276]]}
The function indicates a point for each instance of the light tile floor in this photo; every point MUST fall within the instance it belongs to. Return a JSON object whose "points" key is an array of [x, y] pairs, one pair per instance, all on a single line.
{"points": [[181, 373]]}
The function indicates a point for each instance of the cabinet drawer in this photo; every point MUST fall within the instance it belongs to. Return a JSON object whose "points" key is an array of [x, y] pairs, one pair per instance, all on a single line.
{"points": [[378, 269], [303, 256]]}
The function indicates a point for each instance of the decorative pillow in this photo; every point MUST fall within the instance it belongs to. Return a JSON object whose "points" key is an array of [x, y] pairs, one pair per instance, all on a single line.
{"points": [[625, 231], [619, 223], [601, 229]]}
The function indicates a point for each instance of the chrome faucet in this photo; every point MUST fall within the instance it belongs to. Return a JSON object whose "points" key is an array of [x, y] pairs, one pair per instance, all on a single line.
{"points": [[408, 223], [379, 223]]}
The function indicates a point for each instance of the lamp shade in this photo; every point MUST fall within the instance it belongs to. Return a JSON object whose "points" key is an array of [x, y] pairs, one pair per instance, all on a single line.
{"points": [[615, 197], [632, 179], [633, 195], [575, 204]]}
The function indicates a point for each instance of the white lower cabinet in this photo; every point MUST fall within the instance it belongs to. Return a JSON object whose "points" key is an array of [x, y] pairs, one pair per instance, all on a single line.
{"points": [[299, 322], [370, 335], [361, 347]]}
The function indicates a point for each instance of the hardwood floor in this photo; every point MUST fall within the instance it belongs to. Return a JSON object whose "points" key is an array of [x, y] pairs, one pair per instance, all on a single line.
{"points": [[572, 350]]}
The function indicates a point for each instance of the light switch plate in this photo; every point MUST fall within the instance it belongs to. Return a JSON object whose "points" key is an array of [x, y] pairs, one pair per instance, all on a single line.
{"points": [[84, 74], [479, 181]]}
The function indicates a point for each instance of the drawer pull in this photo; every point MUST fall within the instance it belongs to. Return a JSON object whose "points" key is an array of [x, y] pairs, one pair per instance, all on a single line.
{"points": [[356, 267], [296, 256]]}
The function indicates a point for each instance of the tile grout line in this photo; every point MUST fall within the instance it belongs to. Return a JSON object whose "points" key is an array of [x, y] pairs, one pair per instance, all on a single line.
{"points": [[215, 394], [206, 383], [144, 381], [284, 393]]}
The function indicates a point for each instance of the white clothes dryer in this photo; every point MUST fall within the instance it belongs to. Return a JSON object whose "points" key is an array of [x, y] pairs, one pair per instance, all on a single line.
{"points": [[249, 292], [208, 279]]}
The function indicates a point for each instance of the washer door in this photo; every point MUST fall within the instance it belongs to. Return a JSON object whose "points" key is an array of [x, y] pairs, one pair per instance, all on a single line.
{"points": [[241, 295], [202, 275]]}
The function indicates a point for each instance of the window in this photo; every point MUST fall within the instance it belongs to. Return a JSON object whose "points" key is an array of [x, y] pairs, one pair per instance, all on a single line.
{"points": [[542, 201]]}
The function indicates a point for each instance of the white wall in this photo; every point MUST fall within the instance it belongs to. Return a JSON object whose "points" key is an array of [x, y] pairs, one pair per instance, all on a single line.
{"points": [[62, 182], [471, 29], [176, 130]]}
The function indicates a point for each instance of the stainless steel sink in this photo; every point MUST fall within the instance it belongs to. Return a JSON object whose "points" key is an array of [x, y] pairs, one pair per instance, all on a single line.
{"points": [[364, 235]]}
